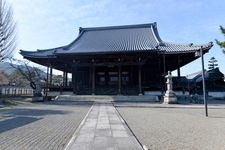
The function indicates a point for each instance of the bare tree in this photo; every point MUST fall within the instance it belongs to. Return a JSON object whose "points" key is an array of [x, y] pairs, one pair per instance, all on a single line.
{"points": [[30, 73], [7, 31]]}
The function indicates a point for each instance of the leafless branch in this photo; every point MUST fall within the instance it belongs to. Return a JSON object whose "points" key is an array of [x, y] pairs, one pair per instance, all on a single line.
{"points": [[7, 31], [30, 73]]}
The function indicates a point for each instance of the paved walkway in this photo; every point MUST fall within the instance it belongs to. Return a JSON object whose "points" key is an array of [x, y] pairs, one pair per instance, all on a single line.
{"points": [[103, 129]]}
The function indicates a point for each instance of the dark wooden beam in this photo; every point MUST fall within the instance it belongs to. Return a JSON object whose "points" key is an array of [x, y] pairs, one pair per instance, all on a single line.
{"points": [[50, 82], [178, 66], [139, 78], [119, 79], [66, 81], [110, 64], [93, 77], [64, 78], [47, 82], [74, 79]]}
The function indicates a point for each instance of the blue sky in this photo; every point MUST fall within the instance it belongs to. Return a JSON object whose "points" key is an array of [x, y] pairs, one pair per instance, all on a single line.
{"points": [[44, 24]]}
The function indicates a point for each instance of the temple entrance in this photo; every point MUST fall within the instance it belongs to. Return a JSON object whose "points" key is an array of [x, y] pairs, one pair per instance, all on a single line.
{"points": [[112, 80]]}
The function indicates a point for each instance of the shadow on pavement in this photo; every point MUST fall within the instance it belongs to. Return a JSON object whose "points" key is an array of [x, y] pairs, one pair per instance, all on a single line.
{"points": [[84, 103], [21, 116], [15, 123], [27, 112], [17, 117]]}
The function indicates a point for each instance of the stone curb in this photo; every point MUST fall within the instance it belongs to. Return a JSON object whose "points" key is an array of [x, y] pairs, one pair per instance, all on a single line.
{"points": [[169, 106], [122, 119], [70, 143]]}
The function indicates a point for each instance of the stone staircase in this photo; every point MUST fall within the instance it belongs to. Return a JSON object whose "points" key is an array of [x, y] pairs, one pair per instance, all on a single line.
{"points": [[114, 98]]}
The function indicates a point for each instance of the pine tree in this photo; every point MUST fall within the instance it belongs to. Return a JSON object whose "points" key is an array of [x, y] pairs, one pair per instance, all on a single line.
{"points": [[212, 63], [214, 75], [221, 44]]}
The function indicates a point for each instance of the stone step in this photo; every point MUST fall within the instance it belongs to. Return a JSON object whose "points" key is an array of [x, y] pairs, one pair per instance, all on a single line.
{"points": [[115, 98]]}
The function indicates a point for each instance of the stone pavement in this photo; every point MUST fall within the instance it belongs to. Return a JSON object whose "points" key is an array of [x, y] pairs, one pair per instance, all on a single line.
{"points": [[40, 126], [103, 129], [177, 128]]}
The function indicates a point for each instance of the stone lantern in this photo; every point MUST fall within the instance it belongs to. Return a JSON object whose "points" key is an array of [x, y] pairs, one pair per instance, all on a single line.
{"points": [[169, 97]]}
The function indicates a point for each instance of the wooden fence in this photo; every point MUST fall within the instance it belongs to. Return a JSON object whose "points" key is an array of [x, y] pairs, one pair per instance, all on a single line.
{"points": [[15, 91]]}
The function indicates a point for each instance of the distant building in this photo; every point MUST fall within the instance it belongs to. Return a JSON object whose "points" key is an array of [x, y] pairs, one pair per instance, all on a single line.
{"points": [[214, 80], [124, 60]]}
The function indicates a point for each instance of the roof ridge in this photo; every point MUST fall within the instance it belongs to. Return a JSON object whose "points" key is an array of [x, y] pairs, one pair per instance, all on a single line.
{"points": [[118, 27]]}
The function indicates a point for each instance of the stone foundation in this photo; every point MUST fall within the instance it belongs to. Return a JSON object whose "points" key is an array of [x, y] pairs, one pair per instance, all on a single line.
{"points": [[170, 98]]}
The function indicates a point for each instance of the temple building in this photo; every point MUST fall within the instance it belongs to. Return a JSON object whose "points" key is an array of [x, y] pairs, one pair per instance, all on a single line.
{"points": [[126, 60]]}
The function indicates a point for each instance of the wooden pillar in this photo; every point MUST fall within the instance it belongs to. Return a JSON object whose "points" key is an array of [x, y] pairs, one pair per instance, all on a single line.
{"points": [[119, 79], [93, 77], [164, 71], [178, 72], [47, 75], [47, 82], [139, 78], [50, 80], [90, 76], [164, 64], [178, 69], [66, 80], [74, 80]]}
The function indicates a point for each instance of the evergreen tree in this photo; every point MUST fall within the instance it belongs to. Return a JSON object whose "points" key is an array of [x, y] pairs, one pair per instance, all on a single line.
{"points": [[212, 63], [215, 77], [220, 43]]}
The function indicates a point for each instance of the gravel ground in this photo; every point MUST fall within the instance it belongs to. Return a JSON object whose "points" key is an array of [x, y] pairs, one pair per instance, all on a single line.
{"points": [[40, 126], [177, 128]]}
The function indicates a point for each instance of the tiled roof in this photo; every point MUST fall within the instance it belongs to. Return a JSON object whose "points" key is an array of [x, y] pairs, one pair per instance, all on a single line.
{"points": [[183, 48], [114, 39], [143, 37], [39, 53]]}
